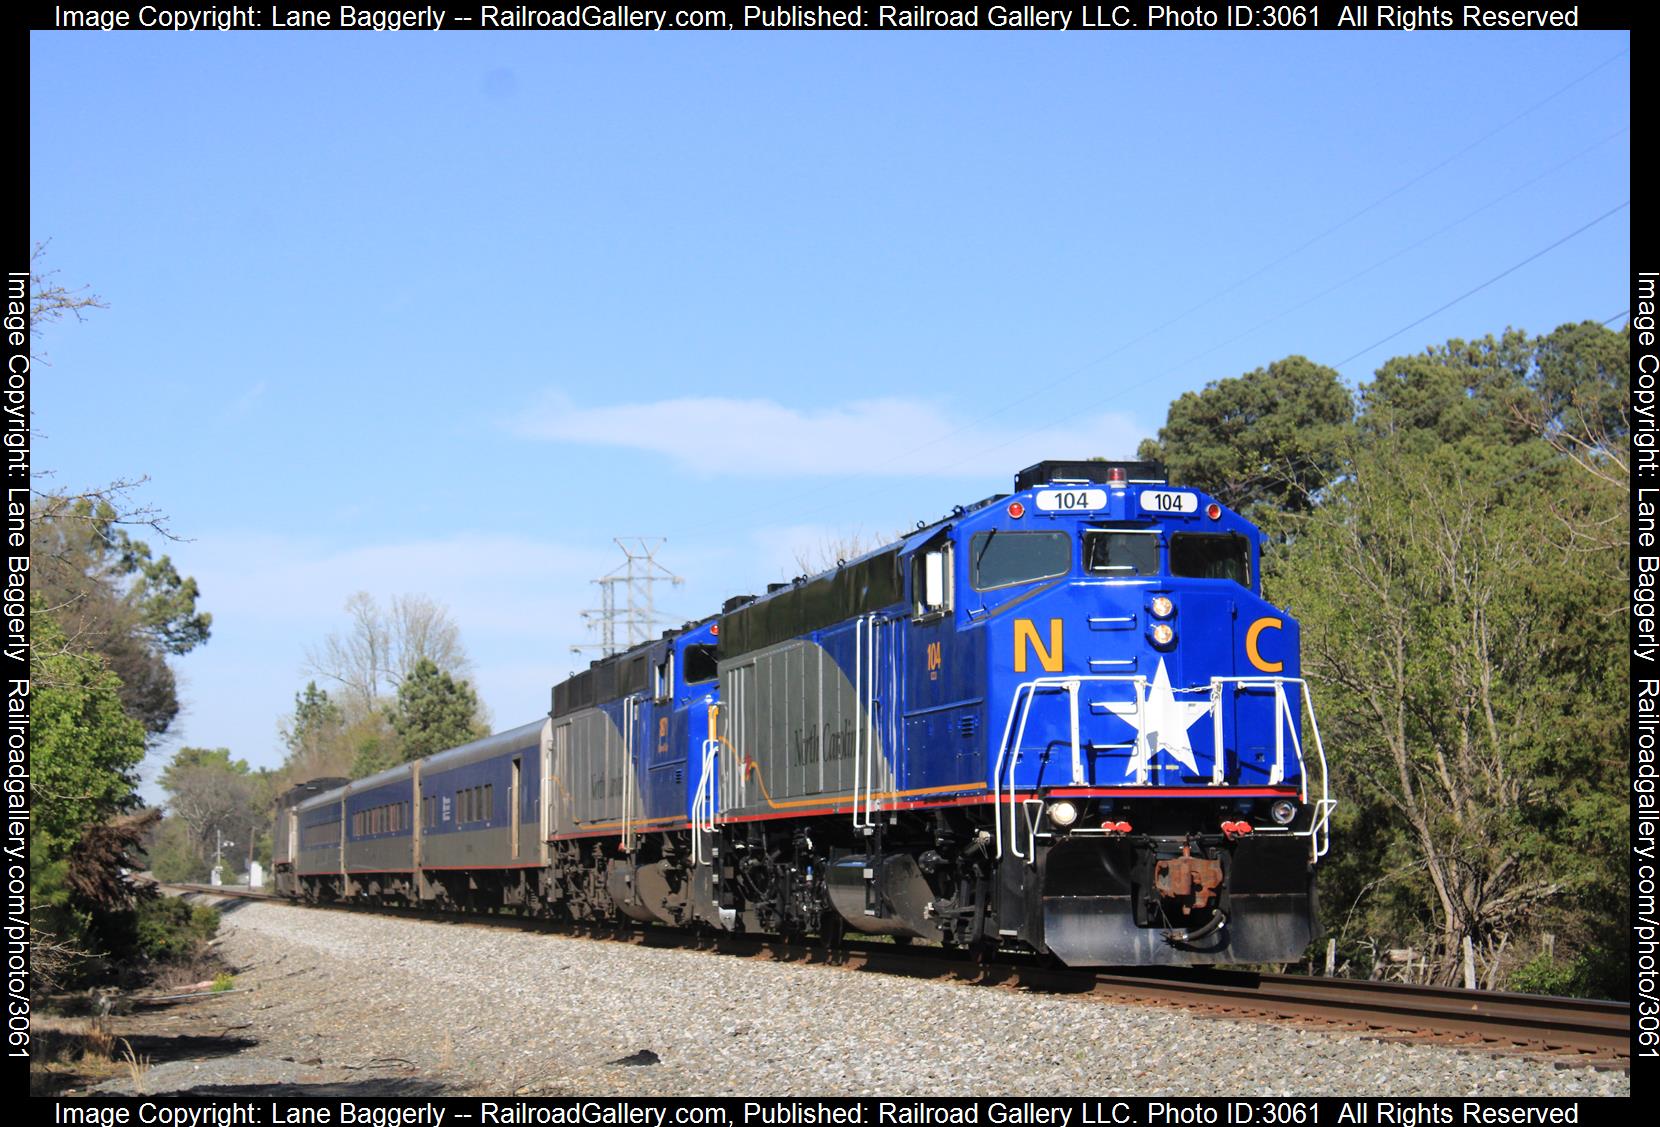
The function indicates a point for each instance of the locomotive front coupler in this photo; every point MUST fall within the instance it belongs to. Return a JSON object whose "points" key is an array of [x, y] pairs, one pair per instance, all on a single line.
{"points": [[1182, 879]]}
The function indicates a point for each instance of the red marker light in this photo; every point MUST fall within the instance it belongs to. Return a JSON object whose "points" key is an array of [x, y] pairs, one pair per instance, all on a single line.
{"points": [[1214, 511], [1016, 510], [715, 629], [1116, 827]]}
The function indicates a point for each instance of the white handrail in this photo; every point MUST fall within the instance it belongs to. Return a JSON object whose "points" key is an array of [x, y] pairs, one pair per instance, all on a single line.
{"points": [[1020, 704], [866, 756], [1217, 776], [997, 768], [1078, 776], [858, 696], [872, 776], [631, 713], [703, 803]]}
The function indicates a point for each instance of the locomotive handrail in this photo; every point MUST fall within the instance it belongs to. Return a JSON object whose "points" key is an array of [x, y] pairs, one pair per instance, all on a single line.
{"points": [[1319, 831], [865, 754], [1029, 690], [872, 649], [703, 803], [858, 698], [631, 715]]}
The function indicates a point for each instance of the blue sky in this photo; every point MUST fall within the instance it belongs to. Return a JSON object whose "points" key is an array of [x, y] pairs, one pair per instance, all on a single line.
{"points": [[444, 313]]}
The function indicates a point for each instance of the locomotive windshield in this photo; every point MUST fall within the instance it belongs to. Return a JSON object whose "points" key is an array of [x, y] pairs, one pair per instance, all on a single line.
{"points": [[1118, 553], [1209, 556], [1002, 559]]}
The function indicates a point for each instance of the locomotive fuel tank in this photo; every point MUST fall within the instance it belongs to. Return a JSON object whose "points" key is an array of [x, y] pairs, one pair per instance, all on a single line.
{"points": [[885, 896]]}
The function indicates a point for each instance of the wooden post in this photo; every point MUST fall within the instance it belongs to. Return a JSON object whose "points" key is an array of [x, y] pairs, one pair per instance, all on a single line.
{"points": [[1469, 964], [1331, 957]]}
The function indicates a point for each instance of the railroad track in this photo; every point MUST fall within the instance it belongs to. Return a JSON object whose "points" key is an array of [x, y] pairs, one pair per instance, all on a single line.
{"points": [[1566, 1031]]}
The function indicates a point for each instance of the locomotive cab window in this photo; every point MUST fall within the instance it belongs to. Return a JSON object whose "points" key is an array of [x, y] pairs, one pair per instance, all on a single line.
{"points": [[1003, 559], [700, 664], [663, 679], [931, 581], [1120, 553], [1196, 555]]}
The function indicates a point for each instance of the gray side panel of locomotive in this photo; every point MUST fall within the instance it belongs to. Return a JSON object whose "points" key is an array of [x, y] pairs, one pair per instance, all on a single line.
{"points": [[588, 773], [792, 710]]}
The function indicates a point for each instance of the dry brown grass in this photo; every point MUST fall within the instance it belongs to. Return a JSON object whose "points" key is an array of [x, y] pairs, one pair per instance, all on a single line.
{"points": [[135, 1065], [168, 978], [72, 1052]]}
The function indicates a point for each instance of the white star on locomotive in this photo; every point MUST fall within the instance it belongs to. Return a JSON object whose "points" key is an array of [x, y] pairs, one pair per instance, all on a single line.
{"points": [[1168, 720]]}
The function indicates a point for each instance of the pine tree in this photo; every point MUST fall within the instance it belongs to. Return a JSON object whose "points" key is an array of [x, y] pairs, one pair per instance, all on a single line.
{"points": [[433, 712]]}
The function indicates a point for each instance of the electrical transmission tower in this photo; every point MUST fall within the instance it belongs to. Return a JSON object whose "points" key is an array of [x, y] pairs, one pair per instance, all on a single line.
{"points": [[627, 611]]}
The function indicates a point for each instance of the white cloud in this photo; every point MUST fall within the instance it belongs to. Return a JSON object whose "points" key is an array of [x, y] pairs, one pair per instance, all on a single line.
{"points": [[714, 436]]}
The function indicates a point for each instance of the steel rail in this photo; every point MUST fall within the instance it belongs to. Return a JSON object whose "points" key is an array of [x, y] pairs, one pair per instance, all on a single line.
{"points": [[1578, 1030]]}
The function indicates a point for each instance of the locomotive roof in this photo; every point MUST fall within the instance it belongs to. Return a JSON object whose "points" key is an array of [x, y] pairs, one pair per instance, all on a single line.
{"points": [[1090, 470], [618, 675], [873, 580], [851, 588], [299, 792]]}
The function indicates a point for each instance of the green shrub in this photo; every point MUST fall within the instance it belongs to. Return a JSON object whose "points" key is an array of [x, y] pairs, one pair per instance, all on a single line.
{"points": [[169, 929], [1544, 975]]}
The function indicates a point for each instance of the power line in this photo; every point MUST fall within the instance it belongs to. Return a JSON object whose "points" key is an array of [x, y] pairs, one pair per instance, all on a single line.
{"points": [[1008, 403], [1014, 401], [1334, 287], [1511, 270], [1501, 274]]}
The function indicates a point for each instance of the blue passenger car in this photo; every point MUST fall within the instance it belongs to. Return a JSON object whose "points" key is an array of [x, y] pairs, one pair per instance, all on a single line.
{"points": [[479, 820], [380, 833]]}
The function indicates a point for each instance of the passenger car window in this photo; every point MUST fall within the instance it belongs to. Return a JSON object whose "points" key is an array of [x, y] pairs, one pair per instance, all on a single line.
{"points": [[1002, 559], [1119, 554], [1209, 556]]}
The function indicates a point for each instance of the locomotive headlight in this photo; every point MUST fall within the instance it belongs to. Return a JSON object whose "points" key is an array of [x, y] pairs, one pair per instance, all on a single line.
{"points": [[1063, 814], [1162, 606], [1283, 811], [1163, 634]]}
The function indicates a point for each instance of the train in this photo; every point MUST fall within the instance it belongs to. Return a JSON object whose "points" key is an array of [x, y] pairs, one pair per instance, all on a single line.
{"points": [[1061, 721]]}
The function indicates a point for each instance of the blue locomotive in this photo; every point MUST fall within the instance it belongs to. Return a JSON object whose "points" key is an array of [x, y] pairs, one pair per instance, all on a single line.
{"points": [[1061, 720]]}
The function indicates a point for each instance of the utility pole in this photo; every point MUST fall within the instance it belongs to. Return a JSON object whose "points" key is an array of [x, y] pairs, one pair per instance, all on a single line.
{"points": [[218, 876], [627, 611]]}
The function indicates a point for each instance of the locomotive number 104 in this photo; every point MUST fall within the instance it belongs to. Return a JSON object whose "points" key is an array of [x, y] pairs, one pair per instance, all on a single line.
{"points": [[1071, 500], [1162, 501]]}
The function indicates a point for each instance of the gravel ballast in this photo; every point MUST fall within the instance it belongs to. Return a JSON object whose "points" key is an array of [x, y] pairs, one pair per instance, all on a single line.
{"points": [[337, 997]]}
